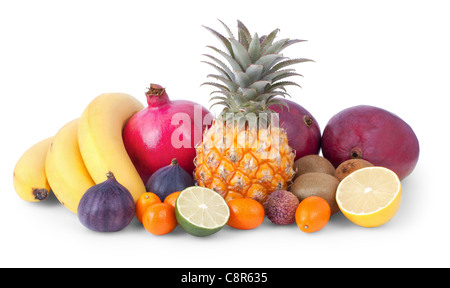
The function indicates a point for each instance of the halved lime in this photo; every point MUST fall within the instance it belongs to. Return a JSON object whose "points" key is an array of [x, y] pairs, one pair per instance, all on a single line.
{"points": [[201, 211]]}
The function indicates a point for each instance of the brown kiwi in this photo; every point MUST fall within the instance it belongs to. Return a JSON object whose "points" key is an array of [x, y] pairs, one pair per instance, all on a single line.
{"points": [[313, 163], [350, 166], [317, 184]]}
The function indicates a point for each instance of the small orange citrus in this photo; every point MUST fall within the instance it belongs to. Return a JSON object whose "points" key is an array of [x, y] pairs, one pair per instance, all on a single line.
{"points": [[159, 219], [144, 201], [172, 198], [312, 214], [245, 213]]}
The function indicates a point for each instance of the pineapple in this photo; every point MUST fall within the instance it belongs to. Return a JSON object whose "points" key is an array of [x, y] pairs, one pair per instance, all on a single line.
{"points": [[245, 153]]}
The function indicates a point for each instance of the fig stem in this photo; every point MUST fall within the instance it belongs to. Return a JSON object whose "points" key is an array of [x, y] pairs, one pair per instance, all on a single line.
{"points": [[174, 161], [110, 175]]}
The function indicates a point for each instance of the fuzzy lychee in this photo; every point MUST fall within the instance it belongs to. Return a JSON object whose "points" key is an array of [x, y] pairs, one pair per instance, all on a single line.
{"points": [[280, 207]]}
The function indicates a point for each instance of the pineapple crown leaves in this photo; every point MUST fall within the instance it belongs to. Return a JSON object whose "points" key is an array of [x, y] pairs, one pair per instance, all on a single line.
{"points": [[254, 71]]}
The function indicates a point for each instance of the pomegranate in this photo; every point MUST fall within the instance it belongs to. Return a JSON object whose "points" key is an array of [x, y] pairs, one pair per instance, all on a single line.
{"points": [[163, 131], [373, 134], [302, 129]]}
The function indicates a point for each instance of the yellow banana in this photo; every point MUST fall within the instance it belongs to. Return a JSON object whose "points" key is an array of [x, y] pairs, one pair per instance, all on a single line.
{"points": [[65, 169], [100, 140], [29, 178]]}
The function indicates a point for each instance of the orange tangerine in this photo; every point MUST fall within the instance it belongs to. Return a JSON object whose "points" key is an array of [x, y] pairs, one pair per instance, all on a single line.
{"points": [[245, 213], [172, 198], [159, 219], [144, 201], [312, 214]]}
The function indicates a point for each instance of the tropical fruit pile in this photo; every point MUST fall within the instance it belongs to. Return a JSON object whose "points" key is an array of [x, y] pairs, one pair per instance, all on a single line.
{"points": [[173, 163]]}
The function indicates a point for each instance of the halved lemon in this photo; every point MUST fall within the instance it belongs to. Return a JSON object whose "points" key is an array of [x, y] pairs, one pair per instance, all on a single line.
{"points": [[370, 197]]}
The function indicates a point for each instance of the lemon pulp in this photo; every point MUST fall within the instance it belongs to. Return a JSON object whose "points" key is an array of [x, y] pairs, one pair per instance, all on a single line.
{"points": [[370, 196]]}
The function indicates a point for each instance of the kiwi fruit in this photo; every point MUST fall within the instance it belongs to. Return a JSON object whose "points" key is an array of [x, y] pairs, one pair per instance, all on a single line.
{"points": [[317, 184], [313, 163], [350, 166]]}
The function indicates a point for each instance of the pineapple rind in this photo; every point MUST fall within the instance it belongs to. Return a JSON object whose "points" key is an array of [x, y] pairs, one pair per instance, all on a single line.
{"points": [[236, 162]]}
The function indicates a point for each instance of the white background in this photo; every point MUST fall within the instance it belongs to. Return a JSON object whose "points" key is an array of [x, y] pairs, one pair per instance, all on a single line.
{"points": [[56, 56]]}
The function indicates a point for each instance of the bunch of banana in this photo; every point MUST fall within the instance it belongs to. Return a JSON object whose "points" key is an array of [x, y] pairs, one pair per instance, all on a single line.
{"points": [[80, 154]]}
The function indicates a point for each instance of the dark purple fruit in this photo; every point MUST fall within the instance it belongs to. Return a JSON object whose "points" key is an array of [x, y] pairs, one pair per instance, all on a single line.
{"points": [[169, 179], [373, 134], [106, 207], [302, 129]]}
